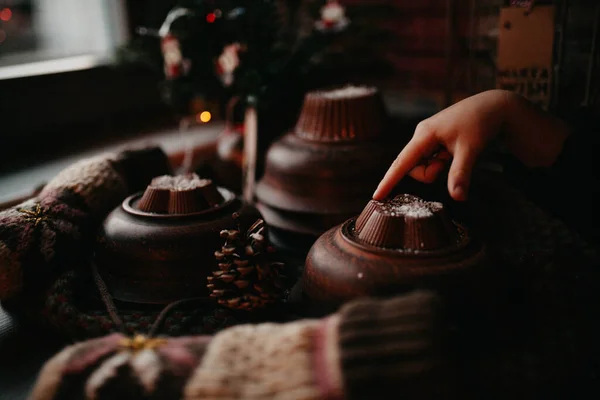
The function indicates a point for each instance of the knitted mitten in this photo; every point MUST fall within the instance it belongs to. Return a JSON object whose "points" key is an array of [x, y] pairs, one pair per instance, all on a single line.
{"points": [[370, 349], [44, 235], [115, 367], [395, 349]]}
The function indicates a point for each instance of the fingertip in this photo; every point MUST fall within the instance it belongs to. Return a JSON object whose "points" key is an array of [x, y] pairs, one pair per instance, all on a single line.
{"points": [[459, 192], [379, 193], [459, 176]]}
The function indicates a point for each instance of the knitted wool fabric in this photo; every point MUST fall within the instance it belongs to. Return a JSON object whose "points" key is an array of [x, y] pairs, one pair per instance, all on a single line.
{"points": [[266, 361], [117, 367], [395, 349], [104, 181], [394, 343], [44, 236], [95, 180], [38, 237], [68, 314], [272, 362]]}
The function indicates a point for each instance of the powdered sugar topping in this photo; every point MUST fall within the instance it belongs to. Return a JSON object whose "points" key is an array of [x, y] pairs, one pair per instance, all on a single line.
{"points": [[407, 205], [415, 210], [179, 182]]}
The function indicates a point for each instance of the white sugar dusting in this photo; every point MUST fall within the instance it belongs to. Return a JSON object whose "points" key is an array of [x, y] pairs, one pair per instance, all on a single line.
{"points": [[406, 198], [407, 205], [435, 206], [415, 210], [348, 92], [180, 182]]}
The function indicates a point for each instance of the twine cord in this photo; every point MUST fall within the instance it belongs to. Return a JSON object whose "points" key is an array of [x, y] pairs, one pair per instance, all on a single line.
{"points": [[114, 314], [107, 300]]}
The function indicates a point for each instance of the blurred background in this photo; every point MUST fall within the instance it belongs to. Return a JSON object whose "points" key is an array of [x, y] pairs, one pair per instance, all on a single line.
{"points": [[78, 73]]}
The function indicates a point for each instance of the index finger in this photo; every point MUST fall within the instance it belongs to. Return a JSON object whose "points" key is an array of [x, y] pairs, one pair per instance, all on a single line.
{"points": [[408, 158]]}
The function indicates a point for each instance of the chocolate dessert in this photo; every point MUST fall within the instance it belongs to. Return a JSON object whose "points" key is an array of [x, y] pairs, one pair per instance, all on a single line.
{"points": [[324, 171], [183, 194], [393, 246], [158, 246], [407, 223]]}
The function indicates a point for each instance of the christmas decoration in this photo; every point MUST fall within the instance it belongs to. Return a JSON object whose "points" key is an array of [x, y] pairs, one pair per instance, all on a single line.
{"points": [[266, 52], [175, 64], [247, 279], [227, 63], [333, 16]]}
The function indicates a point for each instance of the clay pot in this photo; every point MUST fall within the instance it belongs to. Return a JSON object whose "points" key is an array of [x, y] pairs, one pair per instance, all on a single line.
{"points": [[158, 246], [324, 171], [390, 248]]}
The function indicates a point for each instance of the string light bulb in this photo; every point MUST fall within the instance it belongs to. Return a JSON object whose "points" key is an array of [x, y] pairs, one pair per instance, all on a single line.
{"points": [[5, 14], [204, 117]]}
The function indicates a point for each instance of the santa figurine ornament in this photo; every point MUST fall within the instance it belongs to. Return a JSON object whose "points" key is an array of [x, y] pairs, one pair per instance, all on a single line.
{"points": [[227, 63], [175, 65], [333, 16]]}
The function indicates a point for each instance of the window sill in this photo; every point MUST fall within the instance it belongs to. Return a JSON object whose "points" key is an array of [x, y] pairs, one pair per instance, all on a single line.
{"points": [[19, 66]]}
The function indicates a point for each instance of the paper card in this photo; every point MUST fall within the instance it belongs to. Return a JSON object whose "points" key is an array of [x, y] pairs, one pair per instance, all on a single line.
{"points": [[525, 52]]}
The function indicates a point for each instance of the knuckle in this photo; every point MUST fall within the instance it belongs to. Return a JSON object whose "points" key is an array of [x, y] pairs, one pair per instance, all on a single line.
{"points": [[424, 128]]}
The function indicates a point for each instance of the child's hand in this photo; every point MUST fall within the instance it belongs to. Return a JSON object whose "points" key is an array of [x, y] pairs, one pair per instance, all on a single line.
{"points": [[461, 132]]}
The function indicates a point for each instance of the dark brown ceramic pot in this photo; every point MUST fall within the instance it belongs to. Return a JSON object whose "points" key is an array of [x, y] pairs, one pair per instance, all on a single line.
{"points": [[158, 246], [390, 248], [324, 171]]}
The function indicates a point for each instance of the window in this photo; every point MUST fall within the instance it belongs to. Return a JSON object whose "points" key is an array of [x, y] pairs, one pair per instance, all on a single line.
{"points": [[60, 88], [50, 36]]}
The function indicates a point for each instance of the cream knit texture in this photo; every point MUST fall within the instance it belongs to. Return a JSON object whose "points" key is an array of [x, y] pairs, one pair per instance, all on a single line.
{"points": [[266, 361]]}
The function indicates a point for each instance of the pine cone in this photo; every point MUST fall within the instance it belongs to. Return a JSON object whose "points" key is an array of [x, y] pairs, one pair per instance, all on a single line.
{"points": [[246, 279]]}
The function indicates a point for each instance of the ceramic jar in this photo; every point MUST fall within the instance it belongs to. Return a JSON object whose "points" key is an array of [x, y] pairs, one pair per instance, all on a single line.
{"points": [[158, 246], [326, 169], [390, 248]]}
